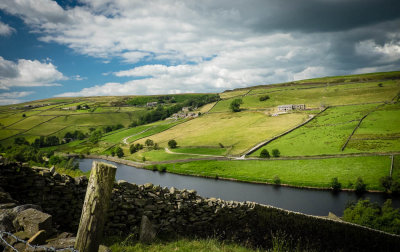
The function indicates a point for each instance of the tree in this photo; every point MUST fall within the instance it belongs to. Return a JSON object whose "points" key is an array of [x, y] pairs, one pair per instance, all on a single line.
{"points": [[155, 146], [95, 136], [389, 184], [360, 186], [276, 153], [20, 141], [149, 142], [366, 213], [172, 144], [235, 105], [132, 149], [119, 152], [264, 154], [23, 115], [335, 185], [264, 98], [138, 146]]}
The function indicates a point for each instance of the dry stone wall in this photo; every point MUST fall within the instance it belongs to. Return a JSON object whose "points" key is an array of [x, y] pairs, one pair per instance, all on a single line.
{"points": [[183, 212]]}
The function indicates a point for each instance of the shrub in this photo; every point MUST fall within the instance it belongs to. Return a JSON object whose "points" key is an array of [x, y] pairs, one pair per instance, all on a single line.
{"points": [[95, 136], [277, 180], [389, 184], [154, 168], [149, 142], [172, 144], [385, 218], [264, 98], [144, 159], [132, 149], [235, 105], [276, 153], [380, 85], [162, 168], [264, 154], [335, 185], [119, 152], [23, 115], [360, 186], [155, 146], [221, 145]]}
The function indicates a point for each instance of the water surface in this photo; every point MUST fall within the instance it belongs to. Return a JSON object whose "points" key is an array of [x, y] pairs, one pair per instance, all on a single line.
{"points": [[315, 202]]}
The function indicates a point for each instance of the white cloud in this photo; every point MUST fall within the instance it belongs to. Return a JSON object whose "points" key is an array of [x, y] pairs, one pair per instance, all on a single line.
{"points": [[5, 29], [28, 73], [198, 45], [13, 97], [387, 53]]}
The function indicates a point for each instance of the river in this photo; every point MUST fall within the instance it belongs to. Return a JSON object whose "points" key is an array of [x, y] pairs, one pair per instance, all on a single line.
{"points": [[308, 201]]}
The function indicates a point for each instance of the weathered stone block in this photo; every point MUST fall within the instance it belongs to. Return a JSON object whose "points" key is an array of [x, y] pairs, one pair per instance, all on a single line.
{"points": [[32, 221]]}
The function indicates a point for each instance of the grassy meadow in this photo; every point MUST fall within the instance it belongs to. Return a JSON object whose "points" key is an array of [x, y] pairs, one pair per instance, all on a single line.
{"points": [[308, 172], [220, 132], [239, 131]]}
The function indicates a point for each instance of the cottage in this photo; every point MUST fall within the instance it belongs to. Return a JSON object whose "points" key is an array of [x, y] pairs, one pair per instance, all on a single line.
{"points": [[290, 107], [151, 104]]}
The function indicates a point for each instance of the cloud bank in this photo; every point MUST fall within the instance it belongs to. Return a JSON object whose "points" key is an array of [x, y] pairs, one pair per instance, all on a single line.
{"points": [[28, 73], [209, 46]]}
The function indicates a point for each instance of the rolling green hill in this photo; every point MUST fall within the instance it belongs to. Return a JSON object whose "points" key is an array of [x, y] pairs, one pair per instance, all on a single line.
{"points": [[345, 116]]}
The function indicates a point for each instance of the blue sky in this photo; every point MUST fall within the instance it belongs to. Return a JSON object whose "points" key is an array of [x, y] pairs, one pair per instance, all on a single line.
{"points": [[100, 47]]}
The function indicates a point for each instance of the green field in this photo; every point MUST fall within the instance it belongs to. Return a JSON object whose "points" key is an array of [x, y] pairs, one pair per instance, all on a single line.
{"points": [[316, 96], [237, 130], [155, 155], [326, 134], [201, 151], [310, 172], [348, 98], [379, 131]]}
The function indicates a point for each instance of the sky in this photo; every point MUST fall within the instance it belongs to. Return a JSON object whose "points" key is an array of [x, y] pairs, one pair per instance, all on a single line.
{"points": [[128, 47]]}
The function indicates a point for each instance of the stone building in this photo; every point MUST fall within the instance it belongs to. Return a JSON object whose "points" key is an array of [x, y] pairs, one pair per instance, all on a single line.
{"points": [[289, 107]]}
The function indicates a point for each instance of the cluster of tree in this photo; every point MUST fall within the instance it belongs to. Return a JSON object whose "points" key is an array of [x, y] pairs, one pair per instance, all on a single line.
{"points": [[264, 98], [160, 113], [38, 142], [46, 141], [135, 147], [359, 186], [185, 100], [390, 184], [151, 144], [117, 151], [76, 135], [265, 153], [366, 213], [95, 136], [24, 153], [107, 129], [200, 100], [83, 106], [235, 105], [35, 156]]}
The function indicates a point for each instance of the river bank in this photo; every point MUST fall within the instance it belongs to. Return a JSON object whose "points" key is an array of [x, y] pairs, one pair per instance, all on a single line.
{"points": [[201, 168]]}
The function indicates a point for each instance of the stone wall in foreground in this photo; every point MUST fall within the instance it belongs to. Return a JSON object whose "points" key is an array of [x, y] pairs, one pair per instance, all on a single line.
{"points": [[183, 212]]}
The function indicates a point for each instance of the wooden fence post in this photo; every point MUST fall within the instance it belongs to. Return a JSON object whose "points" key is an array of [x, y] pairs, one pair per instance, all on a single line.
{"points": [[94, 211]]}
